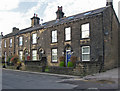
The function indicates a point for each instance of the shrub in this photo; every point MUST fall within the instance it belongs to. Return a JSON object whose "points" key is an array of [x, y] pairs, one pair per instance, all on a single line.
{"points": [[14, 59], [28, 57], [62, 58], [73, 59], [9, 58], [3, 59], [46, 69], [23, 58], [61, 64], [70, 64]]}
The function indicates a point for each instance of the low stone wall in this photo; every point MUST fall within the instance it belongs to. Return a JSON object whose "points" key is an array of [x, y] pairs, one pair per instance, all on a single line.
{"points": [[33, 68], [86, 68], [37, 66], [36, 63], [61, 70], [81, 69], [11, 67]]}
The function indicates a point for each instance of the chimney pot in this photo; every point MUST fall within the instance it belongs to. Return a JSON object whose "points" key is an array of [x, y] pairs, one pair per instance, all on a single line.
{"points": [[109, 2]]}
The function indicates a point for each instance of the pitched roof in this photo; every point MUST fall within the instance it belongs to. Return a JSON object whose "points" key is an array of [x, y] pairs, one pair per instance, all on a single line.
{"points": [[60, 21]]}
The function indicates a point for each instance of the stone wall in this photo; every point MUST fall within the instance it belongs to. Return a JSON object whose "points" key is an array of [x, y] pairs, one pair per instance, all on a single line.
{"points": [[61, 70], [86, 68]]}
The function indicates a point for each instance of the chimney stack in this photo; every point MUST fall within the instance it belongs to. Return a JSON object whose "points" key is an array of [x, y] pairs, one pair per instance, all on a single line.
{"points": [[35, 20], [59, 13], [2, 34], [109, 2], [15, 29]]}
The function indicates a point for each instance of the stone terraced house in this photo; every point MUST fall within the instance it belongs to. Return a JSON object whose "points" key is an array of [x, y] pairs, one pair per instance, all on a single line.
{"points": [[91, 36]]}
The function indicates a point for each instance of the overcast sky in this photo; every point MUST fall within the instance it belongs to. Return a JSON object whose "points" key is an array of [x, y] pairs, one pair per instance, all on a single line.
{"points": [[17, 13]]}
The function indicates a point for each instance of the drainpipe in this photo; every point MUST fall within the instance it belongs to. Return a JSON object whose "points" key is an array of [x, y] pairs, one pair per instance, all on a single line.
{"points": [[30, 46], [14, 44]]}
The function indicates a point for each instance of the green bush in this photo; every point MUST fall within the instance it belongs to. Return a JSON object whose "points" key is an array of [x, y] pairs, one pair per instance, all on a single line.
{"points": [[61, 64], [62, 58], [9, 58], [70, 64], [14, 59]]}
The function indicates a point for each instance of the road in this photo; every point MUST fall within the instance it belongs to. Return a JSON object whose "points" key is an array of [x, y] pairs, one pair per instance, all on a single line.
{"points": [[27, 80], [23, 80]]}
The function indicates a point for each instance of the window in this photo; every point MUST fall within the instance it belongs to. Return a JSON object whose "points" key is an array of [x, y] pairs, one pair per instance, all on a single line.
{"points": [[5, 57], [34, 38], [0, 54], [34, 55], [20, 41], [85, 30], [20, 55], [54, 55], [67, 33], [86, 53], [10, 42], [5, 43], [0, 43], [54, 36]]}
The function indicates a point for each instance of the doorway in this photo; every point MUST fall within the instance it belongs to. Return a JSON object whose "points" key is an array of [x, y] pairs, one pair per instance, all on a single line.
{"points": [[68, 52]]}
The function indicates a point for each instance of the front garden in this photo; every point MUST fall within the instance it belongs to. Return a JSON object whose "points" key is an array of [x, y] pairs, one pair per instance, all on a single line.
{"points": [[13, 62]]}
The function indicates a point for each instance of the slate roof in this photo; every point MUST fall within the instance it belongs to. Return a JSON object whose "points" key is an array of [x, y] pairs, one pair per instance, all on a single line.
{"points": [[60, 21]]}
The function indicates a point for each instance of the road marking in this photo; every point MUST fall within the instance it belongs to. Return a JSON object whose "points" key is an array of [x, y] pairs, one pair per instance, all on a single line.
{"points": [[93, 88]]}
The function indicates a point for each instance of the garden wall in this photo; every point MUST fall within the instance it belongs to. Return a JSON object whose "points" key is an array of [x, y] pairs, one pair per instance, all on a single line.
{"points": [[61, 70]]}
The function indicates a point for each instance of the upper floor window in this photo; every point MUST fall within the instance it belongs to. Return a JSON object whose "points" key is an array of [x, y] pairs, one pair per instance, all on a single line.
{"points": [[5, 44], [34, 38], [20, 41], [54, 55], [10, 42], [85, 53], [34, 55], [54, 36], [67, 34], [85, 30]]}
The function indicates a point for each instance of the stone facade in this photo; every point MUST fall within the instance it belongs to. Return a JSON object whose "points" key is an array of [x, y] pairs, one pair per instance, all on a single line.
{"points": [[0, 47], [103, 40]]}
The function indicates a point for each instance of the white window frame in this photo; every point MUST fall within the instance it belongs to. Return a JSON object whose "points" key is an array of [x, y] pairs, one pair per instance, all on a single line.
{"points": [[34, 38], [88, 53], [54, 61], [20, 41], [54, 36], [5, 45], [10, 42], [0, 44], [20, 55], [5, 57], [85, 29], [34, 55], [67, 33]]}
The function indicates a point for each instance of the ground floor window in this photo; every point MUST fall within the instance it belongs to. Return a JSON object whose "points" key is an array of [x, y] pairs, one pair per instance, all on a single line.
{"points": [[54, 55], [34, 55], [20, 55], [5, 57], [85, 53]]}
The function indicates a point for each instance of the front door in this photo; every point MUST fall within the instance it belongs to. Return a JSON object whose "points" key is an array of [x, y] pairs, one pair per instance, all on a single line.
{"points": [[68, 56]]}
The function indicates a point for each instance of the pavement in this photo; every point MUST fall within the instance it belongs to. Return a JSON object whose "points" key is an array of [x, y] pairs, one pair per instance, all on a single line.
{"points": [[111, 75]]}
